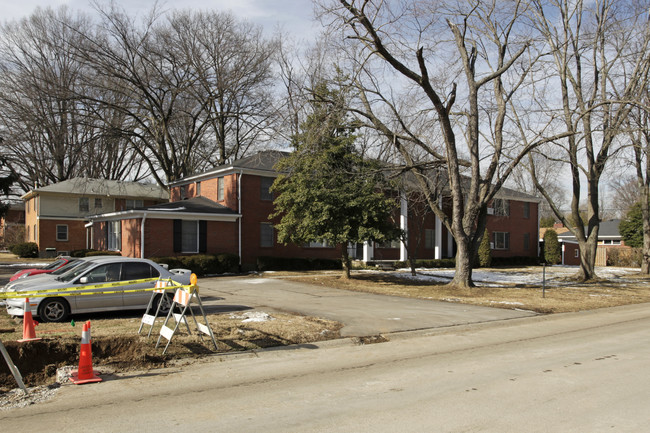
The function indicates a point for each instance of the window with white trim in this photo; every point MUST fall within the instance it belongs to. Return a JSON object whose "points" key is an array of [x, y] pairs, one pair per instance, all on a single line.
{"points": [[501, 207], [501, 240], [220, 188], [114, 235], [61, 232]]}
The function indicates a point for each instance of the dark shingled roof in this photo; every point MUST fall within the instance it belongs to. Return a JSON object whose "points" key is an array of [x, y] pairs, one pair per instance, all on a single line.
{"points": [[192, 205], [264, 160]]}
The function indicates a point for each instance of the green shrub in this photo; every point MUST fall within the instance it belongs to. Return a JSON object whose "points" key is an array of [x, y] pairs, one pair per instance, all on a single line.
{"points": [[25, 250], [552, 248], [624, 257], [202, 264], [269, 263], [484, 251]]}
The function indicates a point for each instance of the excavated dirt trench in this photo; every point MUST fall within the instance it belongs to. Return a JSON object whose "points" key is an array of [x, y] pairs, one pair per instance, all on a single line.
{"points": [[39, 360]]}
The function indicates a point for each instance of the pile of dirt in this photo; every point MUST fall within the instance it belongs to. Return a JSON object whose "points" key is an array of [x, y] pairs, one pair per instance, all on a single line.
{"points": [[39, 360]]}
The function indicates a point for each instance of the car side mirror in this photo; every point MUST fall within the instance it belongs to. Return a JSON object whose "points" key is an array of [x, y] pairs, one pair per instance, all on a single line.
{"points": [[83, 280]]}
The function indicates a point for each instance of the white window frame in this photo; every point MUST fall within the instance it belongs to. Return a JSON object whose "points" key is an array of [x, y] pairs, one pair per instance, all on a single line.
{"points": [[114, 237], [61, 238], [501, 207], [221, 188], [501, 240]]}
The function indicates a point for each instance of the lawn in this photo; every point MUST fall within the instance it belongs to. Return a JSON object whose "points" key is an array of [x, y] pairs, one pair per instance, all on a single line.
{"points": [[521, 288]]}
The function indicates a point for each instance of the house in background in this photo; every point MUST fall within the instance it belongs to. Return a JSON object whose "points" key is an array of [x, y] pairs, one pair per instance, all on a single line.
{"points": [[608, 237], [56, 215], [12, 225], [226, 210]]}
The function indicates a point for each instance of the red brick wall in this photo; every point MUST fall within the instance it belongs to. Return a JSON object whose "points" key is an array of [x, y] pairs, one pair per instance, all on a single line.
{"points": [[569, 254], [47, 235], [516, 225], [209, 190]]}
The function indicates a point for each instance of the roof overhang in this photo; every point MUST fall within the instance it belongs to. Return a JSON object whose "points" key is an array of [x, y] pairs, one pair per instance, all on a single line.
{"points": [[163, 214]]}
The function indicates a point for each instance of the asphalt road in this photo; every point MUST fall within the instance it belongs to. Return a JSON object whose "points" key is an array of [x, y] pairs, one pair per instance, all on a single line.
{"points": [[578, 372], [362, 314]]}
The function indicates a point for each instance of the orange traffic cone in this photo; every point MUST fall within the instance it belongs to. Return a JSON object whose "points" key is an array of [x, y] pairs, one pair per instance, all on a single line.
{"points": [[29, 333], [85, 373]]}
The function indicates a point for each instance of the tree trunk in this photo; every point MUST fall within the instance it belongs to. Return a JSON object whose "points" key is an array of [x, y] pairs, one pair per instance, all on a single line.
{"points": [[345, 261], [588, 258], [463, 273], [645, 259]]}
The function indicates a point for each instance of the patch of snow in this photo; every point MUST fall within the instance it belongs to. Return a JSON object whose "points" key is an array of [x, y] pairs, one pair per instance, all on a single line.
{"points": [[257, 281], [506, 302], [252, 316], [531, 275]]}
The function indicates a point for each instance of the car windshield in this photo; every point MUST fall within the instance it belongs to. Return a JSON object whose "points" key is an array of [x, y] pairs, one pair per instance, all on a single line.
{"points": [[75, 271], [55, 264], [65, 268]]}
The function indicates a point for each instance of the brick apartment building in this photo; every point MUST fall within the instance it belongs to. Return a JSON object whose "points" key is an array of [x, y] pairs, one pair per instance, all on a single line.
{"points": [[226, 210], [56, 215]]}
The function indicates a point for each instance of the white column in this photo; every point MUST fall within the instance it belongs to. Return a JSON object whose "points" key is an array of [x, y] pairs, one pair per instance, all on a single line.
{"points": [[367, 251], [404, 225], [438, 250]]}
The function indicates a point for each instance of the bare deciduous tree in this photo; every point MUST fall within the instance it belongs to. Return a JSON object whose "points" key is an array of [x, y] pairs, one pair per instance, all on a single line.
{"points": [[598, 65], [463, 64], [50, 133]]}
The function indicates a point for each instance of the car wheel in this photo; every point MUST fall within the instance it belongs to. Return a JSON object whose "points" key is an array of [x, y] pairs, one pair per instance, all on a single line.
{"points": [[53, 310], [165, 301]]}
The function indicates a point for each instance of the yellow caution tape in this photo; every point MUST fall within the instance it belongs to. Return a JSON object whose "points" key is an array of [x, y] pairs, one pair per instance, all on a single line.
{"points": [[83, 290]]}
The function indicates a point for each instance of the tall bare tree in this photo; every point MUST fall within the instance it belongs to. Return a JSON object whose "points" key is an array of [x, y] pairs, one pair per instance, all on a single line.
{"points": [[193, 86], [598, 65], [463, 64], [50, 133]]}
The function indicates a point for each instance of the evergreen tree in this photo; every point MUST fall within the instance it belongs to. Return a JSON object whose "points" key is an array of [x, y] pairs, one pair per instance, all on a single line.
{"points": [[548, 222], [484, 252], [5, 185], [328, 192], [552, 249], [631, 228]]}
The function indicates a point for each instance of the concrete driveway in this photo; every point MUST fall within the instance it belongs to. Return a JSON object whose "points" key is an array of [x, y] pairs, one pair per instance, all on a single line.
{"points": [[362, 314]]}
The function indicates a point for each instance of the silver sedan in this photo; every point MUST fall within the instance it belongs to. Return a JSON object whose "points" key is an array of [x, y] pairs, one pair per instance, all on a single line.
{"points": [[95, 270]]}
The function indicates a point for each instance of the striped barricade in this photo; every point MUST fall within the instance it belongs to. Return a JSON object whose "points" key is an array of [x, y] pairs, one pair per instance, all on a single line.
{"points": [[160, 289], [183, 298]]}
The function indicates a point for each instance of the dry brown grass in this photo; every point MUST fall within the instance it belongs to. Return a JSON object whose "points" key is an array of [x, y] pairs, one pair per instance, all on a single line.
{"points": [[561, 294], [116, 346]]}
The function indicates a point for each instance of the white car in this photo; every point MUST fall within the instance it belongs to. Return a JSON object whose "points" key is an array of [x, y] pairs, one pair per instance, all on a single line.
{"points": [[94, 270]]}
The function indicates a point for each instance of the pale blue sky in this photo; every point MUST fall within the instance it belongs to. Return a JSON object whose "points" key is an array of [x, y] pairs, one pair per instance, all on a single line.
{"points": [[295, 16]]}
